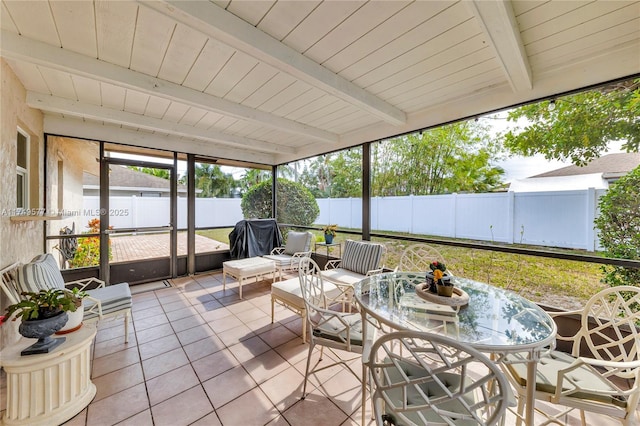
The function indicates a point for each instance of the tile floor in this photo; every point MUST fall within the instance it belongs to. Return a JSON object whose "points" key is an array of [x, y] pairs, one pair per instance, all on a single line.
{"points": [[197, 355]]}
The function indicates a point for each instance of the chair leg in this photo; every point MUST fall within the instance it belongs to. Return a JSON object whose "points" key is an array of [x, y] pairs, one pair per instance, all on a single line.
{"points": [[126, 326], [304, 325], [306, 372], [272, 309]]}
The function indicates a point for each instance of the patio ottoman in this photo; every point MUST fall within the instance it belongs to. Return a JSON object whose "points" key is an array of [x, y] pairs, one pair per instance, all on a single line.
{"points": [[243, 269]]}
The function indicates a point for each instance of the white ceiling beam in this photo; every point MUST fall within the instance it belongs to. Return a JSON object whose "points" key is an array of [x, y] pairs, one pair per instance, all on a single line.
{"points": [[98, 113], [108, 133], [214, 21], [21, 48], [498, 22]]}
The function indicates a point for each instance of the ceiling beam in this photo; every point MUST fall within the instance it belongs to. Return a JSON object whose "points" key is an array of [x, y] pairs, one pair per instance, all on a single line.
{"points": [[108, 133], [215, 22], [98, 113], [498, 22], [21, 48]]}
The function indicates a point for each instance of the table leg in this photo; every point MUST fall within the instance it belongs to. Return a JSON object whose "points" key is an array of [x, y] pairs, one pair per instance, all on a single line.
{"points": [[532, 368]]}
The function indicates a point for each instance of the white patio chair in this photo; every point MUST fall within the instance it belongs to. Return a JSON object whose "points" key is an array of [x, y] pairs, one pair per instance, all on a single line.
{"points": [[42, 273], [328, 328], [418, 257], [608, 380], [287, 258], [422, 378]]}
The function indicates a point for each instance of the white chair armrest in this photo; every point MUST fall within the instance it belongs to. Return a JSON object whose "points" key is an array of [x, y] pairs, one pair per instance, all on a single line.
{"points": [[96, 308], [374, 272], [627, 370], [277, 250], [83, 283], [333, 264]]}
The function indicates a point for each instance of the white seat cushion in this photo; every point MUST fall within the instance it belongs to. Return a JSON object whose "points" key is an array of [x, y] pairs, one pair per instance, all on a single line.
{"points": [[289, 291], [112, 298], [280, 259], [248, 267], [341, 276]]}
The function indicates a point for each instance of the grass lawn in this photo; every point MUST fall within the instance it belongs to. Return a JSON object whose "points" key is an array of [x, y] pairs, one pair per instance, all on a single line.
{"points": [[562, 283]]}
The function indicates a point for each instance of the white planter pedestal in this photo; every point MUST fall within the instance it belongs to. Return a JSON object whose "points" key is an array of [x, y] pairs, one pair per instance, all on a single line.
{"points": [[48, 389]]}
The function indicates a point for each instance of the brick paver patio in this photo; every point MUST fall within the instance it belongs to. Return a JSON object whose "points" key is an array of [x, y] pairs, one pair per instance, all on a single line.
{"points": [[148, 246]]}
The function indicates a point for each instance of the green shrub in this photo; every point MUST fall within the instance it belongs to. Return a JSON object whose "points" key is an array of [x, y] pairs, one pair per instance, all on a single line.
{"points": [[619, 226], [296, 204]]}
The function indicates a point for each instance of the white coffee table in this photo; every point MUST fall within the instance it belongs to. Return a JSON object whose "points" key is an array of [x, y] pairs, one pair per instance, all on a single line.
{"points": [[243, 269]]}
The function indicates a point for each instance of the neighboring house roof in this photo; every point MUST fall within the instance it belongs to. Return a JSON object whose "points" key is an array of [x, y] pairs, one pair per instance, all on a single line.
{"points": [[121, 177], [612, 166]]}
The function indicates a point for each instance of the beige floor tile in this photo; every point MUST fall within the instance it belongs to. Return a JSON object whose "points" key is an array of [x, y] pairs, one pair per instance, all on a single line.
{"points": [[114, 345], [182, 313], [252, 408], [150, 334], [225, 323], [213, 316], [252, 314], [115, 361], [208, 420], [143, 418], [117, 381], [142, 305], [187, 323], [203, 347], [344, 390], [285, 389], [214, 364], [171, 384], [265, 366], [194, 334], [118, 407], [228, 386], [146, 313], [158, 346], [236, 335], [193, 405], [277, 336], [315, 410], [175, 305], [151, 322], [164, 363], [248, 349]]}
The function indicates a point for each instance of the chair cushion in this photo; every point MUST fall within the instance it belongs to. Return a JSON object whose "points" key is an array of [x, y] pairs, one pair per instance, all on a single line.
{"points": [[341, 276], [329, 330], [297, 242], [547, 379], [42, 273], [360, 256], [113, 298], [280, 259], [290, 292]]}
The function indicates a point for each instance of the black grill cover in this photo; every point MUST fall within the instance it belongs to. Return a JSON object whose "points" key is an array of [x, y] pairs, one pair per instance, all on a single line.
{"points": [[255, 237]]}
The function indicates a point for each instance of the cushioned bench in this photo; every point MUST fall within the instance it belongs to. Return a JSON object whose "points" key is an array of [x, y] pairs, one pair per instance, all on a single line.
{"points": [[288, 294], [243, 269], [42, 273]]}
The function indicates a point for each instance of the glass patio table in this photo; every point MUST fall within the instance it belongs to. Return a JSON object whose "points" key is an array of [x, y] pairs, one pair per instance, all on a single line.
{"points": [[495, 320]]}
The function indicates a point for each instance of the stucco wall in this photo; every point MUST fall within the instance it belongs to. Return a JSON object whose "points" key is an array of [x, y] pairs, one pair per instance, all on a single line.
{"points": [[19, 241]]}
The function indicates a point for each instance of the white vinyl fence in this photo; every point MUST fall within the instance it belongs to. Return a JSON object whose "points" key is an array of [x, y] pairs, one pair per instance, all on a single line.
{"points": [[554, 219]]}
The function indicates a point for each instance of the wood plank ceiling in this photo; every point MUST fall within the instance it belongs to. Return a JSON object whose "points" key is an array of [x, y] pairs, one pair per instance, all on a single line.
{"points": [[274, 81]]}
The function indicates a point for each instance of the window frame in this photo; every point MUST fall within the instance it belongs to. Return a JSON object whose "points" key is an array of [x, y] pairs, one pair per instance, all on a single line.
{"points": [[23, 172]]}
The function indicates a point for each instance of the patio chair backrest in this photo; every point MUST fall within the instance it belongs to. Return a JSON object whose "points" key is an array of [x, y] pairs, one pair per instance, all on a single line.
{"points": [[9, 282], [361, 256], [616, 310], [417, 257], [426, 378], [42, 273], [297, 242]]}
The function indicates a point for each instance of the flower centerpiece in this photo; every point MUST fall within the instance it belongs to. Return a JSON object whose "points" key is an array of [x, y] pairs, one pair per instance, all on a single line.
{"points": [[329, 232], [439, 281]]}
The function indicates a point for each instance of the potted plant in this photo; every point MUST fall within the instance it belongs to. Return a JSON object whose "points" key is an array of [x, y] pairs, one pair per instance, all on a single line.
{"points": [[329, 233], [75, 317], [42, 314], [439, 280]]}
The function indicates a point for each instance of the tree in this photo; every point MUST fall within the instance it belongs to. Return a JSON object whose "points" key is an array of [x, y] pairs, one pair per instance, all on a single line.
{"points": [[580, 126], [161, 173], [619, 226], [296, 204], [213, 182], [253, 177], [452, 158]]}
